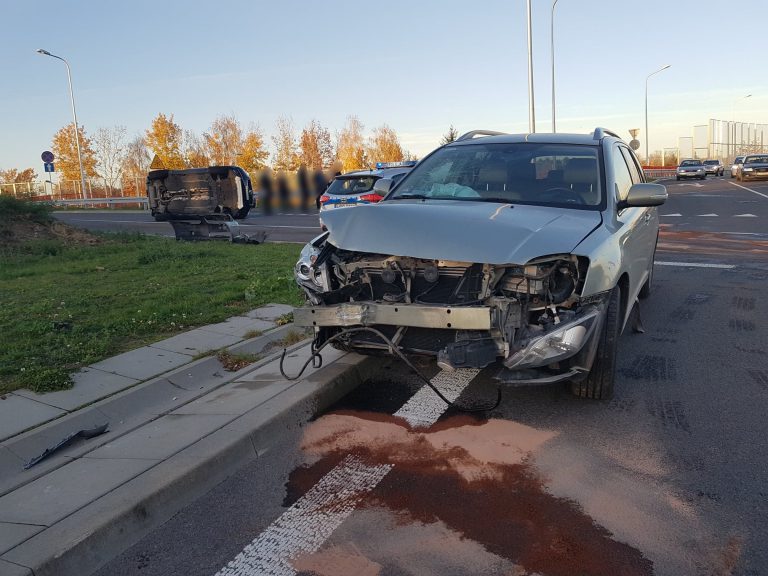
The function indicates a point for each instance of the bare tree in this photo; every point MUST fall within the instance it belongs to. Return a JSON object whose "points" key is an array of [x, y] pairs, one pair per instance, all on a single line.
{"points": [[316, 149], [195, 150], [449, 136], [110, 146], [286, 150]]}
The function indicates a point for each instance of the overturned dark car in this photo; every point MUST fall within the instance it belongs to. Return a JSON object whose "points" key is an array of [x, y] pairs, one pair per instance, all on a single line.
{"points": [[529, 249], [194, 192]]}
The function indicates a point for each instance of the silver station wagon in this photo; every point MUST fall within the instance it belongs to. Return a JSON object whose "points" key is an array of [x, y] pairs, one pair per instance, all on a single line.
{"points": [[526, 250]]}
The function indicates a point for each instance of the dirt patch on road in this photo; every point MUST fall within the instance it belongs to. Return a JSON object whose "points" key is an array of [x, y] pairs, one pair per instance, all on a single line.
{"points": [[477, 479], [710, 243]]}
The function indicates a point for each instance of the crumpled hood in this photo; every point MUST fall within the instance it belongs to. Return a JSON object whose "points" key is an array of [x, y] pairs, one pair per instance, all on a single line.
{"points": [[463, 231]]}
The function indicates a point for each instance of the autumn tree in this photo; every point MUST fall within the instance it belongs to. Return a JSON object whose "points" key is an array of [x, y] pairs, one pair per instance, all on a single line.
{"points": [[350, 146], [384, 146], [253, 153], [137, 158], [164, 138], [195, 151], [109, 145], [286, 155], [64, 148], [315, 147], [14, 175], [224, 140], [449, 136]]}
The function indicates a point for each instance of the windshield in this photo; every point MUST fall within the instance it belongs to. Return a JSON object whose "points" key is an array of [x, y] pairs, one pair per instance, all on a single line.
{"points": [[756, 160], [518, 173], [711, 162], [344, 186], [690, 163], [739, 160]]}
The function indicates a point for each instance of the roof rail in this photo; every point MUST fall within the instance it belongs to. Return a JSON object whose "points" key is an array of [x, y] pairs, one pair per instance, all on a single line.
{"points": [[600, 133], [473, 133]]}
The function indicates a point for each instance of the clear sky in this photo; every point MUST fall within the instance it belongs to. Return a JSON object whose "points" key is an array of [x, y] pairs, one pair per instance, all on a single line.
{"points": [[418, 66]]}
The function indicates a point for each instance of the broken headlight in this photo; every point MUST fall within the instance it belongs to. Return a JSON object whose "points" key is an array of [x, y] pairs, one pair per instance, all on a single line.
{"points": [[562, 342]]}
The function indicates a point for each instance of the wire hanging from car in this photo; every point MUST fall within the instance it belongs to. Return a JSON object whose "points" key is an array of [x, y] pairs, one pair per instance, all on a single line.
{"points": [[316, 360]]}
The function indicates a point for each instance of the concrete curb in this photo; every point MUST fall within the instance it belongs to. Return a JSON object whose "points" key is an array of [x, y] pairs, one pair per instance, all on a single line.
{"points": [[91, 536]]}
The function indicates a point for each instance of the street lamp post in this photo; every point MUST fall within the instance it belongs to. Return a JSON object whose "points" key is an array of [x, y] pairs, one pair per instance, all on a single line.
{"points": [[647, 157], [552, 52], [733, 115], [74, 115], [531, 104]]}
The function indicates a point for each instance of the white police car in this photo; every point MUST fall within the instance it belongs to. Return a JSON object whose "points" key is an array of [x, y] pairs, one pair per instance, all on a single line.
{"points": [[356, 188]]}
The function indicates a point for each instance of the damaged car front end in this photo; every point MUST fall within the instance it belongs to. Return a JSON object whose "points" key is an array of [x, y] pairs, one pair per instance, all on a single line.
{"points": [[465, 314]]}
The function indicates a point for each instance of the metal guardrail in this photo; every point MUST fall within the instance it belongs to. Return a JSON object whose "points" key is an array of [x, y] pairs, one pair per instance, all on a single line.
{"points": [[143, 200], [656, 173]]}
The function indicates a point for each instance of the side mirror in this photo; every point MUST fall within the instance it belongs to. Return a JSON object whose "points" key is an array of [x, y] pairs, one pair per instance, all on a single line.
{"points": [[382, 186], [645, 195]]}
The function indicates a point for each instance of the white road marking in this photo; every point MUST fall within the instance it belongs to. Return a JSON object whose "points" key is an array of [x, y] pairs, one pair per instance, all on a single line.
{"points": [[695, 265], [671, 215], [424, 407], [696, 185], [706, 214], [305, 526], [750, 189], [744, 216]]}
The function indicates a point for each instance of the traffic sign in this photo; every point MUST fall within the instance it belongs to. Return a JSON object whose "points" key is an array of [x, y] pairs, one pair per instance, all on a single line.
{"points": [[634, 144], [157, 163], [47, 157], [49, 166]]}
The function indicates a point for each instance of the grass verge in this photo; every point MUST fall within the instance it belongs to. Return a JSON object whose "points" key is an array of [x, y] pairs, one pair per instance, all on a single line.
{"points": [[66, 306]]}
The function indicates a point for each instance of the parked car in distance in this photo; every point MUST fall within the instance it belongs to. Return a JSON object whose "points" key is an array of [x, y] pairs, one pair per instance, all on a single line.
{"points": [[194, 192], [736, 166], [691, 169], [356, 188], [755, 167], [525, 249], [713, 167]]}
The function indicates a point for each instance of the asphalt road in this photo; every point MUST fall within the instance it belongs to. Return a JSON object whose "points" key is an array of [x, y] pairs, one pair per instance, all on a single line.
{"points": [[289, 227], [668, 478]]}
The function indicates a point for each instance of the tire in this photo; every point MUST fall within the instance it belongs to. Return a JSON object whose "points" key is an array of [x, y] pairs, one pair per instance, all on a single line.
{"points": [[599, 383], [242, 213], [678, 178]]}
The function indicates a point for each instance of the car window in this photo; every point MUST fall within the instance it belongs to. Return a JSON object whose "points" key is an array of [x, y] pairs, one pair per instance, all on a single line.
{"points": [[690, 163], [634, 171], [756, 159], [711, 162], [621, 174], [354, 185], [565, 175]]}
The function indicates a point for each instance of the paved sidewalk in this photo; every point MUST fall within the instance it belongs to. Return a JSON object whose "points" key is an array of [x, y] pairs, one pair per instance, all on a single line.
{"points": [[177, 427]]}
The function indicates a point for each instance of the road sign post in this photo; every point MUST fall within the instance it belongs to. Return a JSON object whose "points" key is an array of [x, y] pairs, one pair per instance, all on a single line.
{"points": [[47, 158]]}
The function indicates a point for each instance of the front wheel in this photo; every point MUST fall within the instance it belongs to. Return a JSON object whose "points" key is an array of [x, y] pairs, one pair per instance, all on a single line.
{"points": [[599, 382]]}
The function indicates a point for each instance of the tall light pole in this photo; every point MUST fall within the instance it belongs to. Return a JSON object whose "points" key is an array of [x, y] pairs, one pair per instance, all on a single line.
{"points": [[647, 158], [733, 115], [552, 52], [531, 106], [74, 115]]}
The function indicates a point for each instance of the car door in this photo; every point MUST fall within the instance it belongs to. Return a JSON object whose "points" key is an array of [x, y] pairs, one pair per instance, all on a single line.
{"points": [[638, 224]]}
